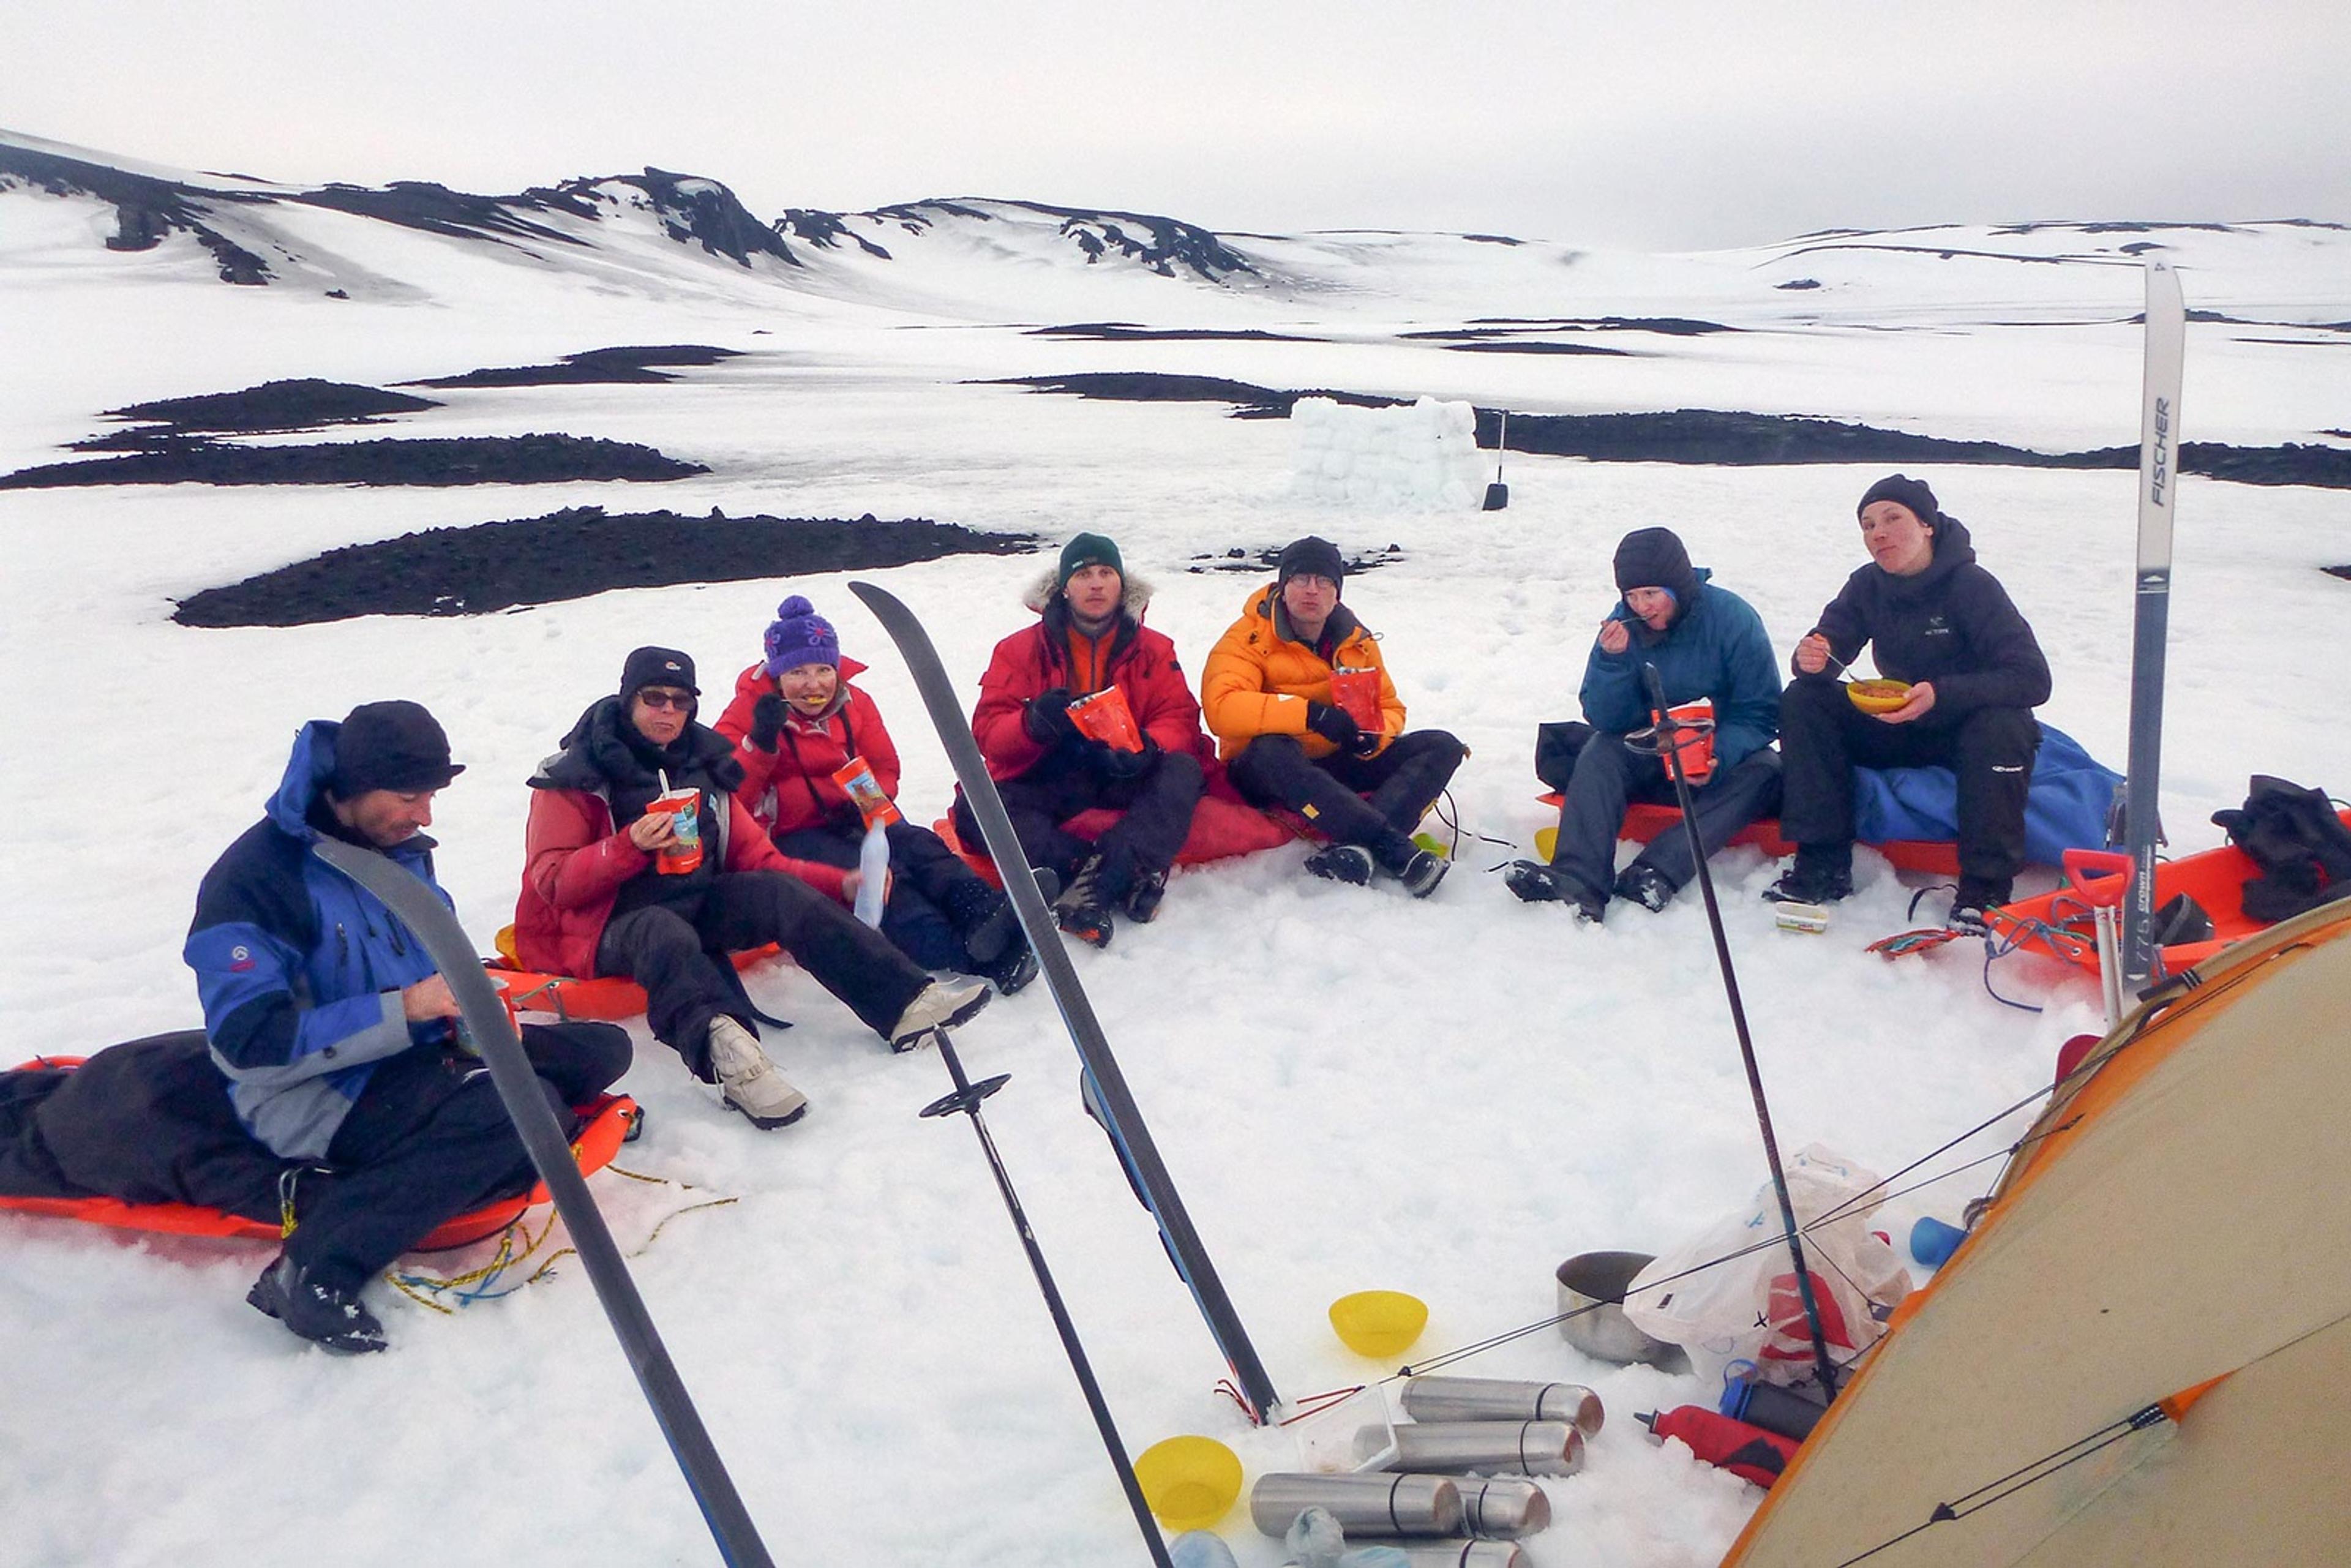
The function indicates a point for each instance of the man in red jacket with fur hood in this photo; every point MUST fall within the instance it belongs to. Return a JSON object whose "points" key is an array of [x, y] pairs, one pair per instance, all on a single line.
{"points": [[1089, 638]]}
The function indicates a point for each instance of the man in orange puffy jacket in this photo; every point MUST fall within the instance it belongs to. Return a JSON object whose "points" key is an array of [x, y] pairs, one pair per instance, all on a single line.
{"points": [[1288, 738], [1089, 638]]}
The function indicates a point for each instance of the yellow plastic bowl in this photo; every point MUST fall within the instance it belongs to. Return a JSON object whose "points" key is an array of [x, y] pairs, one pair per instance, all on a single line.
{"points": [[1379, 1324], [1878, 697], [1189, 1483]]}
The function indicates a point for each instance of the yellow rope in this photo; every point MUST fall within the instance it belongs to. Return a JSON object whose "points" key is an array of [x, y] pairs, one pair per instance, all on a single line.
{"points": [[414, 1285]]}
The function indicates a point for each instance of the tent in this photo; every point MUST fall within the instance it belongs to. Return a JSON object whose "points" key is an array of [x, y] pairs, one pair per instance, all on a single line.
{"points": [[2142, 1353]]}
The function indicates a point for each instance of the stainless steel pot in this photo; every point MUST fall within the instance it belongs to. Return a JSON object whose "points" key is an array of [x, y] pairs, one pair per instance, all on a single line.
{"points": [[1592, 1289]]}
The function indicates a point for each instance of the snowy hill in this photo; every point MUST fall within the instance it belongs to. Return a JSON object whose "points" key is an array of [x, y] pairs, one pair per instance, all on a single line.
{"points": [[1353, 1090]]}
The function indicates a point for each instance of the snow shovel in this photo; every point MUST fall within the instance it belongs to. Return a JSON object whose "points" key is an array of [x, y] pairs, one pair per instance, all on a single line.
{"points": [[1498, 495]]}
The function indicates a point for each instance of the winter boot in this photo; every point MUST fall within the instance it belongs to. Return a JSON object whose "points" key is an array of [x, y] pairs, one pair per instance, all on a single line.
{"points": [[1538, 882], [1645, 885], [1081, 910], [327, 1318], [1422, 872], [1972, 905], [1142, 898], [1822, 874], [1015, 969], [983, 918], [1342, 862], [748, 1080], [942, 1004]]}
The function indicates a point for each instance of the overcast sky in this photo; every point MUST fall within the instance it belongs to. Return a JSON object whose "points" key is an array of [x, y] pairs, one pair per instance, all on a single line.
{"points": [[1658, 124]]}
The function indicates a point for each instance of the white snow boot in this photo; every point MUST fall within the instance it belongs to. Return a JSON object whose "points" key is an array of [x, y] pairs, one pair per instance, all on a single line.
{"points": [[748, 1080]]}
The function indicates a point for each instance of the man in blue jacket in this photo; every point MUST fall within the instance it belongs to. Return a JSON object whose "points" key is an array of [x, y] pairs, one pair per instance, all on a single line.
{"points": [[335, 1033], [1706, 641]]}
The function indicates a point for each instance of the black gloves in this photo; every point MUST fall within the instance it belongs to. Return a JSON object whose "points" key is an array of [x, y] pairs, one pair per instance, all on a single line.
{"points": [[1366, 741], [1333, 725], [1046, 716], [1115, 764], [767, 721]]}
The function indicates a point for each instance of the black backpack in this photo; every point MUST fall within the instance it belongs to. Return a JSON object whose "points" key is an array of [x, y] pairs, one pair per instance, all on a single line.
{"points": [[2302, 847]]}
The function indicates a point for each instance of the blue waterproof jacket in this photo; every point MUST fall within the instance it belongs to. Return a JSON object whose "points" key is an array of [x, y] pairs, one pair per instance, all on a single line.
{"points": [[1716, 648], [300, 969]]}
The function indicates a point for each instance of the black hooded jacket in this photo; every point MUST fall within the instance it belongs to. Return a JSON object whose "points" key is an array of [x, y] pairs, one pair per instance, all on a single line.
{"points": [[1952, 624]]}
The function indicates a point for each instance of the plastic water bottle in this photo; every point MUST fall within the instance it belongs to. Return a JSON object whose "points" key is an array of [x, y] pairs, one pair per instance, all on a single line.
{"points": [[1199, 1549], [874, 875]]}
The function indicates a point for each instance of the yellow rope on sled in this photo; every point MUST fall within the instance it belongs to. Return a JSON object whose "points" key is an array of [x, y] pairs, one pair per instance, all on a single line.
{"points": [[471, 1286]]}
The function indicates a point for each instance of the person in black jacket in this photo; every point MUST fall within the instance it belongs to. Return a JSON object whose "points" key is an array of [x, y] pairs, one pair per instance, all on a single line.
{"points": [[1943, 623]]}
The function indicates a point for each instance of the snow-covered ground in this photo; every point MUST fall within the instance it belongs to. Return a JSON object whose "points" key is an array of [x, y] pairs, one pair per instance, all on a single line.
{"points": [[1353, 1090]]}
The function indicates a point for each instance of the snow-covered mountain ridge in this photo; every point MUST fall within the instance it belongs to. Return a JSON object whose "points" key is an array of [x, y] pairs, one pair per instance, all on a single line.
{"points": [[939, 252]]}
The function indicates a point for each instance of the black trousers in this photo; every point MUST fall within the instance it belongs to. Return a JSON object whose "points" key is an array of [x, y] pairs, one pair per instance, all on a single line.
{"points": [[676, 959], [922, 871], [1402, 782], [1158, 806], [428, 1139], [1823, 737], [1610, 776]]}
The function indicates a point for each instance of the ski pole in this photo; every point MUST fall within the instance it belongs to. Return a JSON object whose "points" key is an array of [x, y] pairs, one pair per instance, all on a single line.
{"points": [[407, 896], [966, 1099], [1667, 726], [1138, 1154]]}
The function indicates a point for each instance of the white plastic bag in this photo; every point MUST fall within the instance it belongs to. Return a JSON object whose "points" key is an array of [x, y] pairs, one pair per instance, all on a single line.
{"points": [[1749, 1307]]}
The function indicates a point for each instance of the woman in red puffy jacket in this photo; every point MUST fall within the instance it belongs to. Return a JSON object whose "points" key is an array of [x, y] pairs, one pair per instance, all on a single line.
{"points": [[802, 734]]}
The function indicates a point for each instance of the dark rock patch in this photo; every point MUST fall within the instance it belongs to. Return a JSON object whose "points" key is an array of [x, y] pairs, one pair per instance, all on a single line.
{"points": [[1711, 436], [1493, 239], [2342, 571], [436, 209], [1133, 332], [1538, 345], [1151, 386], [532, 459], [596, 367], [1262, 560], [571, 554], [1799, 283], [1502, 326], [307, 403]]}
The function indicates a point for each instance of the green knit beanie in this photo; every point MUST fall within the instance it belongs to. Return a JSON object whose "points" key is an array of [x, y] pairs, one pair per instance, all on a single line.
{"points": [[1088, 549]]}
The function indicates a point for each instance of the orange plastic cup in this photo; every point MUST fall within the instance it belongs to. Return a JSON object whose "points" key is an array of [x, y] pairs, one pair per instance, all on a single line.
{"points": [[1695, 747], [1358, 692], [1104, 717], [683, 808]]}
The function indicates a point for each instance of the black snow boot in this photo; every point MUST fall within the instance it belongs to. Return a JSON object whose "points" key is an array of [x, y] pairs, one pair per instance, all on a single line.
{"points": [[982, 918], [1081, 910], [331, 1319], [1822, 874]]}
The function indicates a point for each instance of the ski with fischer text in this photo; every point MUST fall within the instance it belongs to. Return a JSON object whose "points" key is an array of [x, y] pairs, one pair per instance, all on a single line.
{"points": [[2159, 477]]}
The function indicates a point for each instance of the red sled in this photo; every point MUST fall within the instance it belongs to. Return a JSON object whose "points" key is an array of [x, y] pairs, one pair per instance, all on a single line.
{"points": [[1221, 827], [2063, 924], [1643, 822], [609, 1119], [611, 998]]}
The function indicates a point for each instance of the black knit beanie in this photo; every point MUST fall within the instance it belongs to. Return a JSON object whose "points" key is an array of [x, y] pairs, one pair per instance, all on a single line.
{"points": [[1902, 490], [1311, 557], [1654, 558]]}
